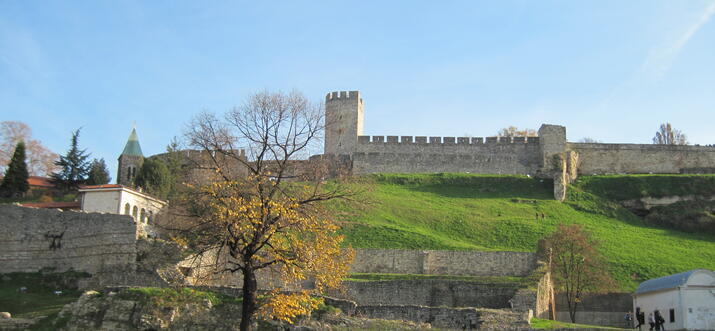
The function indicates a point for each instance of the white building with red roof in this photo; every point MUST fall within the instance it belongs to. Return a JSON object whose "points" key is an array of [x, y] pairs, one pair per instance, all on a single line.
{"points": [[118, 199]]}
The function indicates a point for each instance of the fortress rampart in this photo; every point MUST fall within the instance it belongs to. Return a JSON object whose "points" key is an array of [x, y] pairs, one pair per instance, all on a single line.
{"points": [[642, 158], [548, 155], [497, 155], [32, 239]]}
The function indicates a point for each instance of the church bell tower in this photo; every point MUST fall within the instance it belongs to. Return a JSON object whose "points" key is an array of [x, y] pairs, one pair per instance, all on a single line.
{"points": [[130, 160]]}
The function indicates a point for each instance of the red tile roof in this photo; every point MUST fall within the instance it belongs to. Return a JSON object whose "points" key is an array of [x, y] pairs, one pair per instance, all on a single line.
{"points": [[91, 187], [38, 181], [60, 205]]}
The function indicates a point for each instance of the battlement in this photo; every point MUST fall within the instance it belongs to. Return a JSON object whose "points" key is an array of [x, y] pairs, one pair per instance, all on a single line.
{"points": [[445, 141], [343, 95]]}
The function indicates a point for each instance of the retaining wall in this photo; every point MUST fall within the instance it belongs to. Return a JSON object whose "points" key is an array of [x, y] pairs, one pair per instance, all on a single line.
{"points": [[424, 292], [462, 318], [437, 262], [601, 309], [32, 239]]}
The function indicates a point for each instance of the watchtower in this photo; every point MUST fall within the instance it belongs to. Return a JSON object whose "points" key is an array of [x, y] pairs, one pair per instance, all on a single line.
{"points": [[130, 160], [344, 114]]}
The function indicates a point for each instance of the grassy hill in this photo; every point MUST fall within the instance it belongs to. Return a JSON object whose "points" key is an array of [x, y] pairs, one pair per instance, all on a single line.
{"points": [[486, 212]]}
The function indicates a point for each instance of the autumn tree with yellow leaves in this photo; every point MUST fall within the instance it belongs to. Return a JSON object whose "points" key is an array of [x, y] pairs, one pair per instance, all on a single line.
{"points": [[263, 208]]}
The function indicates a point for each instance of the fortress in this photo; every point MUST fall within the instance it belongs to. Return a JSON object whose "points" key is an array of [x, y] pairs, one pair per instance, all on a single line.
{"points": [[548, 155], [115, 250]]}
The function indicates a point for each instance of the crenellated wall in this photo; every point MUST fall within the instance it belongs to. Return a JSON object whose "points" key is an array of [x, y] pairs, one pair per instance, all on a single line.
{"points": [[548, 155], [498, 155]]}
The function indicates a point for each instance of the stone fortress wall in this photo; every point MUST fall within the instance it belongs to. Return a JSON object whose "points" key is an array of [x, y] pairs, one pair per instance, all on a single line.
{"points": [[496, 155], [32, 239], [643, 158], [446, 154], [438, 262]]}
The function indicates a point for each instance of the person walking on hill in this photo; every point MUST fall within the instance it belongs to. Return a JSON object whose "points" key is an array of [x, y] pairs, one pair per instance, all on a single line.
{"points": [[651, 321]]}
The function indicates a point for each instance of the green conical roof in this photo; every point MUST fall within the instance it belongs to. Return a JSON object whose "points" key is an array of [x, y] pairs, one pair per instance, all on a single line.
{"points": [[132, 147]]}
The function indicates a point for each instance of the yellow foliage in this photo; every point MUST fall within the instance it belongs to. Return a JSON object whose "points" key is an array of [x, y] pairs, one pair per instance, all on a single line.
{"points": [[293, 239], [286, 307], [179, 240]]}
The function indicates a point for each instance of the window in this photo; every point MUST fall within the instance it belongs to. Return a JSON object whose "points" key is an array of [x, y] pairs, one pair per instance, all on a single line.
{"points": [[672, 315], [127, 209], [135, 211], [143, 216], [151, 217]]}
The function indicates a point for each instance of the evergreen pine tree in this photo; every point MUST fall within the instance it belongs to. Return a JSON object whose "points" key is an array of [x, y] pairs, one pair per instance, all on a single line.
{"points": [[15, 181], [98, 173], [174, 163], [154, 177], [73, 167]]}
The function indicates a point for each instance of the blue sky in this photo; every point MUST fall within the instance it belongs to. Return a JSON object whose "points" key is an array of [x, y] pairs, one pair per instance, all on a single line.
{"points": [[610, 70]]}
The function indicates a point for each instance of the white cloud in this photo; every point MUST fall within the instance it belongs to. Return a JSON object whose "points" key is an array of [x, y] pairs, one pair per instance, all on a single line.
{"points": [[662, 57]]}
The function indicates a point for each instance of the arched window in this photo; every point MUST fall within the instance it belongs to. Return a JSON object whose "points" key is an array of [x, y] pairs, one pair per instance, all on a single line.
{"points": [[135, 211], [151, 217], [127, 209], [143, 216]]}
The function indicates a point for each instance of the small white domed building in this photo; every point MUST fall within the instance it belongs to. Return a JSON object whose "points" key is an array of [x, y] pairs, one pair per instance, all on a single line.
{"points": [[685, 300]]}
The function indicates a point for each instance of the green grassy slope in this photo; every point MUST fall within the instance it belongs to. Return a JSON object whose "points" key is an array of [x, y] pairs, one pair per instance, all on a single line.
{"points": [[627, 187], [464, 212]]}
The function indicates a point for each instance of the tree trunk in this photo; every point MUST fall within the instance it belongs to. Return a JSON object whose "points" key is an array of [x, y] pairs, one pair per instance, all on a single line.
{"points": [[249, 299], [572, 312]]}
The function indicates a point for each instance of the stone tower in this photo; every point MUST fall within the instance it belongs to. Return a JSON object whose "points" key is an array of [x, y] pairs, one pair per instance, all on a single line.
{"points": [[130, 161], [344, 113], [552, 140]]}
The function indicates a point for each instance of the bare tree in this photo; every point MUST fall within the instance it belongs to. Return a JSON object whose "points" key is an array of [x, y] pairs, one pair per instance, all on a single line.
{"points": [[262, 208], [577, 265], [40, 160], [666, 135], [589, 140], [513, 131]]}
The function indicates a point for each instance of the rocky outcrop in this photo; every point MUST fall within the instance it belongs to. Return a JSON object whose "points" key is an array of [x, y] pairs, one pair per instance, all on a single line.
{"points": [[155, 265], [119, 311]]}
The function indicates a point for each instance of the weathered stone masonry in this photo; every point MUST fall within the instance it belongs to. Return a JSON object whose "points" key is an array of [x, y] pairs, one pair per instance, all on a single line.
{"points": [[436, 262], [548, 155], [32, 239]]}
